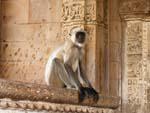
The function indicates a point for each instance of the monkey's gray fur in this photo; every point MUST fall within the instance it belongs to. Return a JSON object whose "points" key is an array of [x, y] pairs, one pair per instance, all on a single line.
{"points": [[65, 66]]}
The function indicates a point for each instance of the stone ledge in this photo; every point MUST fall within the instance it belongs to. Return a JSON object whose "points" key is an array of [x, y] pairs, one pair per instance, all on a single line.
{"points": [[35, 93]]}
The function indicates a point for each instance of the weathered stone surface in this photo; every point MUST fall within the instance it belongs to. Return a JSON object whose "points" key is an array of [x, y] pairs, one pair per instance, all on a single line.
{"points": [[31, 32], [36, 92], [134, 6], [44, 11], [24, 72], [15, 11], [114, 51], [27, 45], [26, 48], [137, 65]]}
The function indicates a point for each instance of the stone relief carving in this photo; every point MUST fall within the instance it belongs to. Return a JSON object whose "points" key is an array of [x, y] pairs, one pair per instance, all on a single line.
{"points": [[134, 30], [79, 11], [73, 12], [131, 6], [90, 12], [133, 91], [137, 55], [47, 107], [134, 47], [134, 34], [90, 31], [135, 69]]}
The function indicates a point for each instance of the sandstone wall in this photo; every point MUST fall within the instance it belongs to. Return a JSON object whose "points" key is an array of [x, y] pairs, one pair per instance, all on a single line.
{"points": [[30, 31]]}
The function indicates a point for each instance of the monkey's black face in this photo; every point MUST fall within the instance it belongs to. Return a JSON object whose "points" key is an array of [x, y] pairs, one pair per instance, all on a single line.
{"points": [[80, 37]]}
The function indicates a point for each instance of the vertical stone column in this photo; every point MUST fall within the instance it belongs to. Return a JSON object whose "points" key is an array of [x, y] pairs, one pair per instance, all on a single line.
{"points": [[136, 54], [114, 48], [137, 62], [84, 13]]}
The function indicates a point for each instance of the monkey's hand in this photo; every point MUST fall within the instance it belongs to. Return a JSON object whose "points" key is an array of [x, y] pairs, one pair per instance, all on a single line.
{"points": [[91, 93], [88, 92], [82, 94]]}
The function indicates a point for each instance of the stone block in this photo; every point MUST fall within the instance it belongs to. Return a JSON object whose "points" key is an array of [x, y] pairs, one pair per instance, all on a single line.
{"points": [[23, 42], [23, 71], [45, 11], [15, 11], [17, 33], [31, 32]]}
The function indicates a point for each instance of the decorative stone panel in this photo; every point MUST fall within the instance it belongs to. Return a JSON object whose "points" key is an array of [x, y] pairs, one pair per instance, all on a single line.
{"points": [[137, 65], [8, 106], [73, 11]]}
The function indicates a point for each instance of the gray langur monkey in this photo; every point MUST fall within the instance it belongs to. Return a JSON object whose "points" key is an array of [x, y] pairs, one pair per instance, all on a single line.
{"points": [[65, 67]]}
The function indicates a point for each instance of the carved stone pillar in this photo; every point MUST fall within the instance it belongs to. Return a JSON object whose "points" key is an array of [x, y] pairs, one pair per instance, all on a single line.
{"points": [[136, 16], [137, 62], [84, 13]]}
